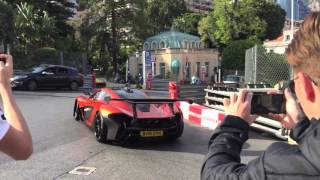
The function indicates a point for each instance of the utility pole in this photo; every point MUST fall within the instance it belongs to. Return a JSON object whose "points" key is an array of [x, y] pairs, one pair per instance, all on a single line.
{"points": [[292, 23]]}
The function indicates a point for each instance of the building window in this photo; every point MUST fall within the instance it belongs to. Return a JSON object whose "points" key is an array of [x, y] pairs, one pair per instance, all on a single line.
{"points": [[162, 45], [288, 38], [193, 45], [162, 70], [146, 46], [154, 46], [154, 68], [198, 69], [140, 69], [207, 69], [185, 45]]}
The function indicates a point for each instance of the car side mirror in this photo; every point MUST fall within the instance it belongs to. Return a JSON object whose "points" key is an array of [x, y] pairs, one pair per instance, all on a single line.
{"points": [[107, 98]]}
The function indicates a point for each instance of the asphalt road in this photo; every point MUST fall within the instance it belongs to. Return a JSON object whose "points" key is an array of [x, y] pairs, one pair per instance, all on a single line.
{"points": [[61, 144]]}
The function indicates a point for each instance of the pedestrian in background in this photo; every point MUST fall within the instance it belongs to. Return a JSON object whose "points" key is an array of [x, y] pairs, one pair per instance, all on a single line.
{"points": [[15, 138], [280, 160]]}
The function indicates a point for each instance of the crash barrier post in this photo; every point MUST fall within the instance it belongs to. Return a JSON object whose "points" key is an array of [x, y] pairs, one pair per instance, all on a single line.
{"points": [[149, 81], [173, 90], [201, 115]]}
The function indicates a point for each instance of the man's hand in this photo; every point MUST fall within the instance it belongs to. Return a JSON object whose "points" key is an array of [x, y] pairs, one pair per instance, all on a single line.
{"points": [[240, 105], [6, 71], [289, 120]]}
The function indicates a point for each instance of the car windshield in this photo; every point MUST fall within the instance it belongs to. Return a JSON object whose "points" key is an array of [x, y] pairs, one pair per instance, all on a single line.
{"points": [[135, 94], [37, 69]]}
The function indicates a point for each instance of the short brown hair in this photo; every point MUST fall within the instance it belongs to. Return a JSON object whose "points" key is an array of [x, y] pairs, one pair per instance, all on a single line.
{"points": [[304, 50]]}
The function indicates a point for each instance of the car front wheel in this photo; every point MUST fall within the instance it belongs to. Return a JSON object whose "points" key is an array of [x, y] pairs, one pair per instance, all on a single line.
{"points": [[100, 129]]}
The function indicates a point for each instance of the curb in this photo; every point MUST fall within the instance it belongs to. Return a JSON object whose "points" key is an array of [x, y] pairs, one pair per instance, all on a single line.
{"points": [[201, 115]]}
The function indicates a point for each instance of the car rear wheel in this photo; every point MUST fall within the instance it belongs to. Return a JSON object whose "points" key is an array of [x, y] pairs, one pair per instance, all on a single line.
{"points": [[100, 129], [179, 131], [32, 85], [74, 86]]}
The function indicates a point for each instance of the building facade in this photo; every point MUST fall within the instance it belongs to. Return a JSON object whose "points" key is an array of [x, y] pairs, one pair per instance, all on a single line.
{"points": [[314, 6], [300, 9], [280, 44], [177, 56], [204, 6]]}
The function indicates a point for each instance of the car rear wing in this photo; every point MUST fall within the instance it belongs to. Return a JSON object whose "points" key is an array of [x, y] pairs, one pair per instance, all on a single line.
{"points": [[134, 103]]}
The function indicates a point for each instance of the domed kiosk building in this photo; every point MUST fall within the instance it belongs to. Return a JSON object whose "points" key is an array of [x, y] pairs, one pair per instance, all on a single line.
{"points": [[176, 55]]}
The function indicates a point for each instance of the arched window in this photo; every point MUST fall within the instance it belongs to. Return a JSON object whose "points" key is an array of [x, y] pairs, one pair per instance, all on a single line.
{"points": [[146, 46], [154, 46], [193, 45], [162, 45]]}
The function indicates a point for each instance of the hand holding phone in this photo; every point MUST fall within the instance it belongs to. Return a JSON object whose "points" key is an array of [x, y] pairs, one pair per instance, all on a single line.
{"points": [[289, 119], [239, 105]]}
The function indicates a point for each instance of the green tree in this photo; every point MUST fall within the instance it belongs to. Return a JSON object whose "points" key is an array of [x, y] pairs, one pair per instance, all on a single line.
{"points": [[6, 21], [140, 28], [233, 56], [235, 20], [111, 22], [34, 28], [188, 23], [60, 10], [161, 13], [206, 30], [267, 11]]}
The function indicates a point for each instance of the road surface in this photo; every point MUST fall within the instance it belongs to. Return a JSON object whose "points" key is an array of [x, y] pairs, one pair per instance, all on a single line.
{"points": [[61, 144]]}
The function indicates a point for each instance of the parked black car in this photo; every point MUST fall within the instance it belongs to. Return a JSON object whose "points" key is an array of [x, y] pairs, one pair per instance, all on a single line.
{"points": [[48, 76]]}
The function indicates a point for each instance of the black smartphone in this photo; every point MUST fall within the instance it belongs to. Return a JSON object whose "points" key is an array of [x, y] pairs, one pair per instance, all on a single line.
{"points": [[263, 104]]}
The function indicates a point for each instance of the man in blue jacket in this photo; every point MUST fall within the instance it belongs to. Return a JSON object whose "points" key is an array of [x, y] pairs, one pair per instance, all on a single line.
{"points": [[280, 160]]}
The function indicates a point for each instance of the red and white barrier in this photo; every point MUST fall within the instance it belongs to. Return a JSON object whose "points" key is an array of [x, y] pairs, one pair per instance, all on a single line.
{"points": [[201, 115]]}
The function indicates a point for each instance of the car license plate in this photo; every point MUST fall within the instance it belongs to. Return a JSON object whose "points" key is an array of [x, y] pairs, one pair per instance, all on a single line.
{"points": [[151, 133]]}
